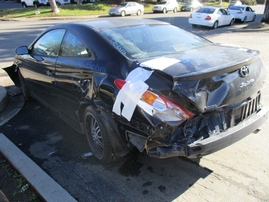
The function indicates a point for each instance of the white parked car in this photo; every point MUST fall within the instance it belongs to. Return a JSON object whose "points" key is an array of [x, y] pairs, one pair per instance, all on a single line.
{"points": [[164, 7], [35, 3], [243, 13], [62, 2], [38, 3], [127, 8], [211, 17], [192, 5]]}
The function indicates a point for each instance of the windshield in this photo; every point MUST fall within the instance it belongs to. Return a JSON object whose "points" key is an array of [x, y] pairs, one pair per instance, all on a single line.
{"points": [[161, 3], [152, 40], [122, 4]]}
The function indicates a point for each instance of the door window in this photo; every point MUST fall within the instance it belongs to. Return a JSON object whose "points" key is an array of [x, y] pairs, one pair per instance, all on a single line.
{"points": [[72, 46], [49, 44]]}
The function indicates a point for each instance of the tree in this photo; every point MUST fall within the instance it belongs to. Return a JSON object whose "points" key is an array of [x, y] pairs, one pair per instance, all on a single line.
{"points": [[54, 7], [266, 12]]}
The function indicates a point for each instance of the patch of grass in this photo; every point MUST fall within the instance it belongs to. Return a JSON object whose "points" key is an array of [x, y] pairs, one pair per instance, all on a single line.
{"points": [[14, 185]]}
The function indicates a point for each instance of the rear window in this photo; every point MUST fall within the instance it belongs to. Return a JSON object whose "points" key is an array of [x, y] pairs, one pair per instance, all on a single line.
{"points": [[235, 8], [144, 41], [206, 10]]}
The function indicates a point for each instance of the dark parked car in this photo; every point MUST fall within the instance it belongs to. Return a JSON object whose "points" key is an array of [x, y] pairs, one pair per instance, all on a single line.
{"points": [[137, 84]]}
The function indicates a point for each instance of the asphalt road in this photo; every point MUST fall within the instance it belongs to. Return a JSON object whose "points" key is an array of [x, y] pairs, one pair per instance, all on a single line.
{"points": [[237, 173]]}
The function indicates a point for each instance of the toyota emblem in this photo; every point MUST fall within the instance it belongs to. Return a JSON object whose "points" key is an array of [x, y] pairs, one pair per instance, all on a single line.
{"points": [[244, 71]]}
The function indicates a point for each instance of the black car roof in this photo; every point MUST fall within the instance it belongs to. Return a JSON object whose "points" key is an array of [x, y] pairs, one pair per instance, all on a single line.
{"points": [[101, 24]]}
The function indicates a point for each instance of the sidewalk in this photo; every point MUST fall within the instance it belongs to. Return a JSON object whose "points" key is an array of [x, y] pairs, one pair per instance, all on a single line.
{"points": [[11, 102]]}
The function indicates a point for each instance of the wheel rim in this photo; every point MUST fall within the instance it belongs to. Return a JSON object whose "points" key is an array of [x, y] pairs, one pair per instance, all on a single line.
{"points": [[138, 12], [122, 13], [164, 10], [175, 10], [94, 136]]}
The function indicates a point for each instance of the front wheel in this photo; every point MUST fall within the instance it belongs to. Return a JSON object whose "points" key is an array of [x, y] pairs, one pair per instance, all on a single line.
{"points": [[254, 18], [164, 10], [244, 20], [123, 13], [96, 133]]}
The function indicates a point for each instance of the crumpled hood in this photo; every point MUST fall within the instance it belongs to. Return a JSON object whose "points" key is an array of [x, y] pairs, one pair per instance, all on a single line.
{"points": [[213, 76]]}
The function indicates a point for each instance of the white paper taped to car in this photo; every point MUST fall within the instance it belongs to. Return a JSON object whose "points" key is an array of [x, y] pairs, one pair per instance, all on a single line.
{"points": [[160, 63], [131, 92]]}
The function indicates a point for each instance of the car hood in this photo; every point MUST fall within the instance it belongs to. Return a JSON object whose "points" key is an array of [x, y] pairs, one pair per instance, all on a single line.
{"points": [[213, 76]]}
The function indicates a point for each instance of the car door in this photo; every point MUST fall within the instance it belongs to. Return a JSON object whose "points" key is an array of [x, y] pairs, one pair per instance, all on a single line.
{"points": [[249, 13], [38, 67], [130, 8], [72, 78], [224, 17]]}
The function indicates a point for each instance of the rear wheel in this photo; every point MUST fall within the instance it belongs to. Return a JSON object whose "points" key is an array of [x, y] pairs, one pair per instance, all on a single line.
{"points": [[175, 10], [96, 133], [216, 24], [123, 13], [138, 12], [164, 10]]}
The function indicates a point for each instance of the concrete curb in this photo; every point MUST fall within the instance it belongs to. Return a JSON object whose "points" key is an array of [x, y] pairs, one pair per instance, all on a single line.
{"points": [[45, 186]]}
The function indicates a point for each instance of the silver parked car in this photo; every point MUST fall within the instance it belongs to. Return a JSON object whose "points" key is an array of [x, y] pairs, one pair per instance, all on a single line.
{"points": [[127, 8]]}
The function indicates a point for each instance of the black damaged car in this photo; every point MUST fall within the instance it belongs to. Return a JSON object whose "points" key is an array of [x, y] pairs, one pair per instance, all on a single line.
{"points": [[144, 84]]}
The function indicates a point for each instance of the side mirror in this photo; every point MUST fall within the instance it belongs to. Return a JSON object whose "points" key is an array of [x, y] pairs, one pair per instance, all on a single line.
{"points": [[22, 50]]}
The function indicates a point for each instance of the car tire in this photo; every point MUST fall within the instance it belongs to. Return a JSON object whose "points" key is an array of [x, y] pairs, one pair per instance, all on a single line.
{"points": [[216, 24], [232, 21], [254, 18], [138, 12], [191, 9], [123, 13], [175, 10], [24, 5], [96, 131], [244, 20], [164, 10], [25, 90]]}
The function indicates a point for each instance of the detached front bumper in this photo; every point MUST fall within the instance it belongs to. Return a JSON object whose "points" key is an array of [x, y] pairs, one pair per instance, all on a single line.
{"points": [[217, 142]]}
